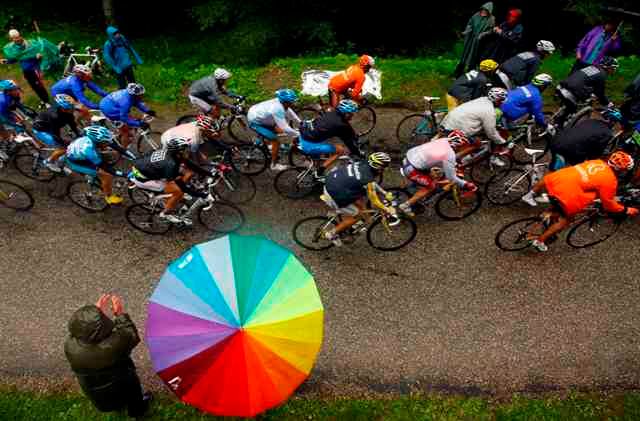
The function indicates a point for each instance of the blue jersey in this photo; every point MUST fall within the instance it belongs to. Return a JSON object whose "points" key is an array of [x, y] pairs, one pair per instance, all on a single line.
{"points": [[8, 104], [522, 101], [117, 105], [74, 87], [83, 149]]}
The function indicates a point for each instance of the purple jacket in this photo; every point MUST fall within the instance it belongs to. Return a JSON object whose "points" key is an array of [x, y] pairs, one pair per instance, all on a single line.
{"points": [[588, 43]]}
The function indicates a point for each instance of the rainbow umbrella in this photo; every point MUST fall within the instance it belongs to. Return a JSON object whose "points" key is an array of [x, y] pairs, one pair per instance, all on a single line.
{"points": [[235, 325]]}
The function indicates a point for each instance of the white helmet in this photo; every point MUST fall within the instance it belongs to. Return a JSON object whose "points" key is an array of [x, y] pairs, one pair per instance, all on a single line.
{"points": [[497, 95], [13, 33], [546, 47], [221, 74]]}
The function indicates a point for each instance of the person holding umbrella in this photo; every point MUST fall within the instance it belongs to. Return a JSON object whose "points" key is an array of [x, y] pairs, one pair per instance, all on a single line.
{"points": [[601, 41], [480, 24], [99, 352]]}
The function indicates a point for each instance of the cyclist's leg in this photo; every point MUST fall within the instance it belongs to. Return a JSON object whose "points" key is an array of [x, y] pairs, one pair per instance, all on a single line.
{"points": [[176, 193], [106, 182], [315, 150], [349, 213], [452, 103], [269, 134], [125, 135], [334, 98], [424, 183], [557, 214]]}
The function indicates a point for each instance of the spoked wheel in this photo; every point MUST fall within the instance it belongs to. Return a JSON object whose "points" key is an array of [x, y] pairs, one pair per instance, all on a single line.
{"points": [[297, 158], [483, 170], [593, 230], [249, 159], [364, 121], [295, 183], [222, 217], [138, 195], [507, 187], [236, 188], [57, 189], [88, 196], [521, 140], [517, 235], [189, 118], [309, 232], [398, 233], [455, 206], [14, 196], [414, 129], [32, 167], [146, 218], [240, 131]]}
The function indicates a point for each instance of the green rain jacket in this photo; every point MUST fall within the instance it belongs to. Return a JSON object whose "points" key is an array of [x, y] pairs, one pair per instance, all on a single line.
{"points": [[476, 28]]}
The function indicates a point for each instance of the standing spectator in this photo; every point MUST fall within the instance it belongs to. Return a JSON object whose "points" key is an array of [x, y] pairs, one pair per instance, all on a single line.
{"points": [[601, 41], [480, 24], [33, 56], [505, 40], [99, 352], [117, 54]]}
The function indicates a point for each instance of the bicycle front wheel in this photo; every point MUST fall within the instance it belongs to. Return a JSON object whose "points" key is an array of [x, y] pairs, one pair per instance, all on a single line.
{"points": [[517, 235], [146, 218], [222, 217], [32, 167], [309, 232], [452, 207], [593, 230], [249, 159], [483, 170], [236, 188], [295, 183], [414, 129], [88, 196], [364, 121], [398, 233], [14, 196], [507, 187], [240, 131]]}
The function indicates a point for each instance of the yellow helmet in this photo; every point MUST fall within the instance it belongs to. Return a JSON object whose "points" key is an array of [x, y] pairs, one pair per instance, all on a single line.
{"points": [[488, 66]]}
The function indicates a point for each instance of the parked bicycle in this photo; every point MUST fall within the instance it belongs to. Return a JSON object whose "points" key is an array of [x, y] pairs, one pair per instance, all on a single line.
{"points": [[90, 58], [416, 129]]}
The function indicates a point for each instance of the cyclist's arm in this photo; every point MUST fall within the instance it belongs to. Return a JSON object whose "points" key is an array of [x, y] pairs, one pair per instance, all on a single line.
{"points": [[78, 92], [142, 107], [372, 193], [490, 129], [350, 139], [449, 168], [607, 196], [281, 123], [96, 89], [234, 95], [537, 111], [356, 92], [292, 115], [118, 147]]}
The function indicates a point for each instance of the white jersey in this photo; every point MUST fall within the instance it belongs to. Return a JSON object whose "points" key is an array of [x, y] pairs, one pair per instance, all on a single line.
{"points": [[188, 131], [473, 118], [271, 113]]}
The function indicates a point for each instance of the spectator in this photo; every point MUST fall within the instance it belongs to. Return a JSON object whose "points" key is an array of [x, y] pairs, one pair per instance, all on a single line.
{"points": [[117, 54], [99, 352], [480, 24], [601, 41], [505, 40]]}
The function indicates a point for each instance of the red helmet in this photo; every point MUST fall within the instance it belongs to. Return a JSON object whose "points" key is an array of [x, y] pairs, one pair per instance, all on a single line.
{"points": [[366, 60], [207, 123], [621, 161], [457, 139]]}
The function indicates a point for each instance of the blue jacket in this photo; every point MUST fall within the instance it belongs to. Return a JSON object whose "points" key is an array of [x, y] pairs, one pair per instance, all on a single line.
{"points": [[74, 87], [83, 149], [8, 104], [28, 65], [523, 101], [116, 51], [117, 105]]}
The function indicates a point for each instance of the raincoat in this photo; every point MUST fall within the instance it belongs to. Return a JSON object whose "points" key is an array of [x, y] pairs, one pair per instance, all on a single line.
{"points": [[116, 51], [26, 54], [477, 27], [597, 44]]}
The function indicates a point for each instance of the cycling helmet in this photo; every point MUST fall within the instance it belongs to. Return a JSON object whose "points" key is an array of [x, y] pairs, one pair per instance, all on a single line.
{"points": [[546, 47], [366, 60], [8, 85], [286, 95], [81, 70], [135, 89], [379, 160], [347, 106], [65, 102], [543, 80], [488, 66], [621, 161], [221, 74], [497, 95], [98, 134], [612, 115], [177, 144], [13, 33], [457, 139], [609, 63], [207, 123]]}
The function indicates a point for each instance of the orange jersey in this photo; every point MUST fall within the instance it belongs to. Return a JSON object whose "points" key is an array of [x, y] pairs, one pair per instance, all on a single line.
{"points": [[579, 186], [352, 78]]}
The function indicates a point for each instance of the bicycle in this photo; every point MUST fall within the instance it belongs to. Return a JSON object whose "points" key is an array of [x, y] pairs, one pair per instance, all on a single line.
{"points": [[583, 110], [14, 196], [481, 163], [90, 58], [235, 121], [214, 214], [508, 186], [363, 122], [525, 135], [416, 129]]}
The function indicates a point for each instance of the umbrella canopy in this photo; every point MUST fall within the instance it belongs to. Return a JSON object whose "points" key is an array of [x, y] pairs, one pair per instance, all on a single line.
{"points": [[235, 325]]}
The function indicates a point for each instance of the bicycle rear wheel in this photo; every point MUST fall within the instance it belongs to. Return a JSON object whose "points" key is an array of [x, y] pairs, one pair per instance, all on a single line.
{"points": [[88, 196], [32, 167], [414, 129], [240, 131], [309, 232], [222, 217], [249, 159], [451, 209], [14, 196], [521, 157], [593, 230], [517, 235], [364, 121], [399, 233], [295, 183], [507, 187], [145, 218], [236, 188]]}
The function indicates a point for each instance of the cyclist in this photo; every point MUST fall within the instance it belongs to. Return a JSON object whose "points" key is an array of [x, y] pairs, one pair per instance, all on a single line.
{"points": [[48, 125], [161, 171], [579, 87], [117, 105], [83, 156], [75, 84], [10, 100], [206, 93], [269, 119], [520, 69], [347, 188], [427, 165], [471, 85], [571, 190], [350, 81], [315, 135], [196, 133], [527, 101], [589, 139]]}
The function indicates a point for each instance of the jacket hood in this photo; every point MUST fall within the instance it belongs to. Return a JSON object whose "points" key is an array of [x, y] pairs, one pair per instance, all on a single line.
{"points": [[90, 325], [111, 31], [488, 6]]}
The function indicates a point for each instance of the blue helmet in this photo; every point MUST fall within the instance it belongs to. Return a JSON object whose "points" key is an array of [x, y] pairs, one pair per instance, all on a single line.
{"points": [[286, 95], [98, 134], [7, 85], [347, 106], [612, 115], [65, 102]]}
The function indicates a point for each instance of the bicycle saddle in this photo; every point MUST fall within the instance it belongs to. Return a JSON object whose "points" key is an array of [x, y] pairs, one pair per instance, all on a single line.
{"points": [[431, 98], [533, 152]]}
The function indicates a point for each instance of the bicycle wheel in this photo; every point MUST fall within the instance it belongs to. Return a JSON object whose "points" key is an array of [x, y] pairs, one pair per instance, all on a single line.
{"points": [[414, 129], [147, 143], [222, 217], [521, 157], [32, 167], [189, 118], [450, 209], [14, 196], [240, 131], [593, 230], [88, 196], [483, 170], [249, 159], [507, 187], [236, 188], [364, 121], [145, 218], [517, 235], [138, 195], [309, 232], [295, 183], [297, 158], [400, 232]]}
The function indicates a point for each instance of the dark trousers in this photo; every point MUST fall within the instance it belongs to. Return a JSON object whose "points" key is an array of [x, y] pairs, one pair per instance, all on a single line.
{"points": [[125, 393], [34, 78], [126, 77]]}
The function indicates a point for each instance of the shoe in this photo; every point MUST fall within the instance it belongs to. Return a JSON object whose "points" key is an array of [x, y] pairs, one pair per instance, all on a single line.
{"points": [[52, 166], [543, 198], [333, 237], [529, 199], [539, 245], [279, 167], [497, 161], [406, 209], [114, 199], [170, 217]]}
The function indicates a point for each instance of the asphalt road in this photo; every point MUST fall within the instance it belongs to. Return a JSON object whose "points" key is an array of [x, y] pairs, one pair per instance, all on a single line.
{"points": [[450, 312]]}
